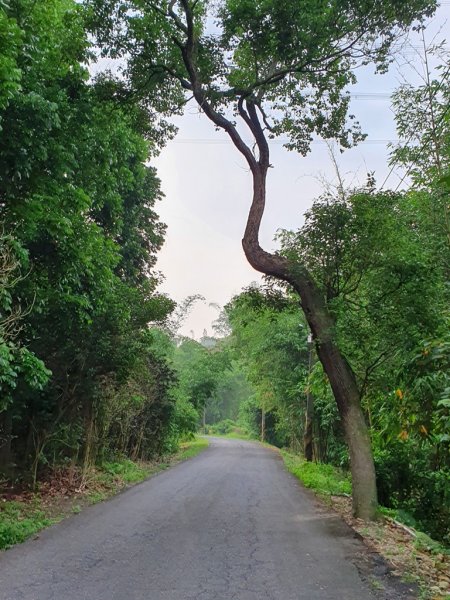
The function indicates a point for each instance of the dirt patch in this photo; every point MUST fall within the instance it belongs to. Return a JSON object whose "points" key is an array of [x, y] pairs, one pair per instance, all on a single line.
{"points": [[404, 550]]}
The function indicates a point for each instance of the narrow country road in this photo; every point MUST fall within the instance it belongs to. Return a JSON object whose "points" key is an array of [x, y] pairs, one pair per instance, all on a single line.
{"points": [[230, 524]]}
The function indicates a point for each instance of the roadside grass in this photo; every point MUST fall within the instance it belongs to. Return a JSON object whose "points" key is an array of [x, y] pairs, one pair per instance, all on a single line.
{"points": [[233, 435], [20, 520], [127, 470], [326, 480], [24, 514], [191, 448]]}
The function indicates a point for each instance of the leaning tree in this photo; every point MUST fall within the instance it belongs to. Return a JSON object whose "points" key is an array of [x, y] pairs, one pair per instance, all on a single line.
{"points": [[267, 68]]}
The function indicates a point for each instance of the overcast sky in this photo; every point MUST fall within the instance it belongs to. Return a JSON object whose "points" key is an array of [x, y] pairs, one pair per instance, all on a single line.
{"points": [[207, 188]]}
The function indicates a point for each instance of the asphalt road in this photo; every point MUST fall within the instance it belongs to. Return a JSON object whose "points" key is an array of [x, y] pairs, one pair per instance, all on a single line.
{"points": [[230, 524]]}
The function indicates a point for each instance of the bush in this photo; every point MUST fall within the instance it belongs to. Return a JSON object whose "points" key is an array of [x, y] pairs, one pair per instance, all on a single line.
{"points": [[127, 470], [408, 483], [223, 427], [320, 477]]}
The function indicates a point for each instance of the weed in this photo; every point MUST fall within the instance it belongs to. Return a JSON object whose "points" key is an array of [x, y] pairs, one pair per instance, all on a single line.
{"points": [[376, 584], [409, 578], [96, 497], [126, 470], [18, 521], [424, 542]]}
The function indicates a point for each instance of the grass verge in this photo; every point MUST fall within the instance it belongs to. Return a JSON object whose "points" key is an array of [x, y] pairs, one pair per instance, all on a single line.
{"points": [[68, 491], [325, 480], [233, 435], [20, 520]]}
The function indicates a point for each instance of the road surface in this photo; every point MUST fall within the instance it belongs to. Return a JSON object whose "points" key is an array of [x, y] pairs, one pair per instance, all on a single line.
{"points": [[229, 524]]}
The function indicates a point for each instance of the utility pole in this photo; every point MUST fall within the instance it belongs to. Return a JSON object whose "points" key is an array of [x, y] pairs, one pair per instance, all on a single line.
{"points": [[308, 434]]}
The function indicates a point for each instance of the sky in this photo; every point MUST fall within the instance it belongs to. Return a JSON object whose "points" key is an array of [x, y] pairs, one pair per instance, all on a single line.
{"points": [[207, 187]]}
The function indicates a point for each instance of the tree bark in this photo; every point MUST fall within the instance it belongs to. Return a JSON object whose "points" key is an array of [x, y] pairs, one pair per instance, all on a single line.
{"points": [[5, 442]]}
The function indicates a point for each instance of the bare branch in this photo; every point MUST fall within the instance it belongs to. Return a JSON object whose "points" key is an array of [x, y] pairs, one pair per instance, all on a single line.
{"points": [[258, 132], [175, 18]]}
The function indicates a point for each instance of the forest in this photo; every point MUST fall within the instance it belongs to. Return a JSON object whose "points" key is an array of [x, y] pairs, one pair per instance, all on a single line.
{"points": [[341, 355]]}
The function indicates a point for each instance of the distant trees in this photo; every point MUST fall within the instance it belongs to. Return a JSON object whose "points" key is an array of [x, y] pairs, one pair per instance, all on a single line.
{"points": [[269, 341]]}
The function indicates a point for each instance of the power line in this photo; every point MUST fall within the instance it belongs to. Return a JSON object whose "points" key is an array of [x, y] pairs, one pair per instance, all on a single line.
{"points": [[222, 141]]}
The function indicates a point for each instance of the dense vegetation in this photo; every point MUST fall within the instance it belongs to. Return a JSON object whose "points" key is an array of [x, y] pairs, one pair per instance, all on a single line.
{"points": [[82, 377], [91, 367]]}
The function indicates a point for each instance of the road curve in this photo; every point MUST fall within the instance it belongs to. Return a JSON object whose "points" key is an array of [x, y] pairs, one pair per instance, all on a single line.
{"points": [[230, 524]]}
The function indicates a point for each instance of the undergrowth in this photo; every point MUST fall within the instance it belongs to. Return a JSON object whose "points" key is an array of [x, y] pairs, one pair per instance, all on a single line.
{"points": [[192, 448], [27, 514], [19, 521], [323, 479]]}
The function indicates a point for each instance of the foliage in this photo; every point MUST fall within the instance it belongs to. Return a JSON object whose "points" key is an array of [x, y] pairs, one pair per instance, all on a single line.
{"points": [[10, 73], [422, 121], [222, 427], [322, 478], [127, 470], [233, 389], [17, 363], [269, 340], [200, 371], [186, 418], [84, 377], [376, 256], [296, 76]]}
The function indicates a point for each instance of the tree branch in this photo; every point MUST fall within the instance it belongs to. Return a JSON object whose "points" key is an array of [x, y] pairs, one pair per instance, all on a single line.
{"points": [[188, 55], [258, 132]]}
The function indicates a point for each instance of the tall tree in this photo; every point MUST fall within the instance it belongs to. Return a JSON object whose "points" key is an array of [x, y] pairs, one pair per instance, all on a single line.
{"points": [[276, 68]]}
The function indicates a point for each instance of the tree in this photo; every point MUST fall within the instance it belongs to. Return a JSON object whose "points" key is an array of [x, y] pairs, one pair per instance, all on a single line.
{"points": [[279, 68], [201, 370], [422, 117], [18, 366], [423, 148], [378, 259]]}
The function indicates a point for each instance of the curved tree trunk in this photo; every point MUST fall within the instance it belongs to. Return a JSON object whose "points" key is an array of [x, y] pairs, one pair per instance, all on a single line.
{"points": [[339, 372], [320, 321]]}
